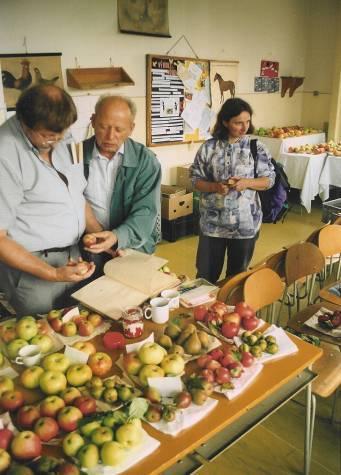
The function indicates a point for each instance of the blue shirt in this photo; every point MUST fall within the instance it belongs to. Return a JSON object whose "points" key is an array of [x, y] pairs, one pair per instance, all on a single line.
{"points": [[237, 215]]}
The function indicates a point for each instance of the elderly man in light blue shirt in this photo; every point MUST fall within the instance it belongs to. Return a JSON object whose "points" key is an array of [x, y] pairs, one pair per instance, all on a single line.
{"points": [[42, 207]]}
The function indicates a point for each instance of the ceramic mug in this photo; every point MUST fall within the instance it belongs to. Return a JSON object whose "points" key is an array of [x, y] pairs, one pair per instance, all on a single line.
{"points": [[29, 355], [173, 297], [158, 310]]}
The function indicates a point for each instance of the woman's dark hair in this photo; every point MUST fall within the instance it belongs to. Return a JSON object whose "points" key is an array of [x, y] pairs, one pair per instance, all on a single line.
{"points": [[231, 108], [46, 106]]}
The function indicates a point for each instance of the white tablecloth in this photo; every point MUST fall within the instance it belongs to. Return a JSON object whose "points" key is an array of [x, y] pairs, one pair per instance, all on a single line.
{"points": [[278, 146], [304, 173], [331, 175]]}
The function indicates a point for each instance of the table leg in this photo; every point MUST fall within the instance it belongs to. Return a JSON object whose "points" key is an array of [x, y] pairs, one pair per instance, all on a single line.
{"points": [[309, 428]]}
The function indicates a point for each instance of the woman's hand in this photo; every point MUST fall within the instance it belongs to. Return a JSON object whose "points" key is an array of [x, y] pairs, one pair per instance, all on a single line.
{"points": [[221, 188], [240, 184]]}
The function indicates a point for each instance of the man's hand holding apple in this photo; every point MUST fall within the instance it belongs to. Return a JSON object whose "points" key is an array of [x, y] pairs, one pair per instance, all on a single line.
{"points": [[105, 241], [74, 271]]}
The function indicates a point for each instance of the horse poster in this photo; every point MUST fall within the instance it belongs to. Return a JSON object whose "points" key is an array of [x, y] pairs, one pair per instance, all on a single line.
{"points": [[223, 79]]}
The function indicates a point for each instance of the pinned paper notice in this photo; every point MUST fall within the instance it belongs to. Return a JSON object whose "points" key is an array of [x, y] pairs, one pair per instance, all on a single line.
{"points": [[136, 346], [76, 356], [74, 312], [167, 386]]}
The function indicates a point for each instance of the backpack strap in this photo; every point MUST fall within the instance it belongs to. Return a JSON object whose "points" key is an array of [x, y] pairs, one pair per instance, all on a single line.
{"points": [[253, 148]]}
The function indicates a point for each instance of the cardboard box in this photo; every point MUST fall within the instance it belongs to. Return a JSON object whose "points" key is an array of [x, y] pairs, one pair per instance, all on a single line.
{"points": [[175, 202], [182, 177]]}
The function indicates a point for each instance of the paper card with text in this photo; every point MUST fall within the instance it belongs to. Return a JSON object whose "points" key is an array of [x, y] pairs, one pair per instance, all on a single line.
{"points": [[168, 386], [136, 346], [76, 356]]}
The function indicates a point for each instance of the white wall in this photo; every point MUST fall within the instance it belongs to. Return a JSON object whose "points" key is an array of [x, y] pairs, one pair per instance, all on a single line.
{"points": [[300, 34]]}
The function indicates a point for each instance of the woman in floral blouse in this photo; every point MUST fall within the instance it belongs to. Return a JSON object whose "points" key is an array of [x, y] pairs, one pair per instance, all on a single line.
{"points": [[230, 209]]}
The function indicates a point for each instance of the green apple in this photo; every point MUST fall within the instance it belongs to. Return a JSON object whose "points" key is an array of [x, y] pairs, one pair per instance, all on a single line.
{"points": [[129, 435], [44, 342], [56, 362], [101, 435], [88, 456], [26, 328], [15, 346], [150, 371], [72, 443], [6, 384], [52, 382], [88, 428], [173, 365], [112, 453], [151, 353], [30, 377], [124, 393], [78, 374]]}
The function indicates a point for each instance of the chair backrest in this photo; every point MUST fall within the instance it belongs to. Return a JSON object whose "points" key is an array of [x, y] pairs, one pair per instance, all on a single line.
{"points": [[262, 288], [302, 259], [276, 262], [329, 240], [231, 292], [313, 237], [337, 221]]}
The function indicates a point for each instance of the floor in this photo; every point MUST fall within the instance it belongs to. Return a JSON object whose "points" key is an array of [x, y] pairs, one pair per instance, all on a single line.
{"points": [[275, 446]]}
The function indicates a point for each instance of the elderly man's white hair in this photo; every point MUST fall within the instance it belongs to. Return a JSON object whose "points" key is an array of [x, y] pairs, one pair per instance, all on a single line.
{"points": [[108, 97]]}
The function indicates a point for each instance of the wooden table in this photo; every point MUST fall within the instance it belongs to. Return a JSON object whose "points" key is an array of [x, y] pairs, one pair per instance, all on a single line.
{"points": [[324, 293], [277, 383]]}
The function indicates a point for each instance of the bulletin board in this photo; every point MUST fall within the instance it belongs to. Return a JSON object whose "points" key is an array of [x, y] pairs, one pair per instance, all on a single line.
{"points": [[178, 100]]}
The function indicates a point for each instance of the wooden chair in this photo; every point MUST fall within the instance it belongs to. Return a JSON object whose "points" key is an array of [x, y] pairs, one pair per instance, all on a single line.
{"points": [[329, 242], [231, 290]]}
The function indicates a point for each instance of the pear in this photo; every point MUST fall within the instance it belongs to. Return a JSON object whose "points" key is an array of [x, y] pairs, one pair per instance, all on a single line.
{"points": [[165, 341], [172, 330], [186, 333], [204, 339], [199, 396], [177, 350], [193, 344]]}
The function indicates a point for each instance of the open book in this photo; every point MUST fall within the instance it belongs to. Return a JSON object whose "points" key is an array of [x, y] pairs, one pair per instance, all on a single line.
{"points": [[127, 281]]}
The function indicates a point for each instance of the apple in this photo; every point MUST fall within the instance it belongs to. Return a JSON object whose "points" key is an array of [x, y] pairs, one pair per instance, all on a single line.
{"points": [[7, 332], [112, 453], [56, 362], [129, 435], [222, 375], [67, 468], [219, 308], [213, 364], [27, 416], [85, 346], [89, 427], [69, 329], [250, 323], [56, 324], [132, 363], [152, 394], [110, 395], [95, 319], [14, 347], [203, 360], [78, 374], [244, 310], [101, 435], [53, 314], [227, 359], [6, 384], [26, 329], [26, 445], [200, 312], [88, 456], [85, 328], [247, 359], [229, 329], [235, 369], [114, 340], [151, 353], [150, 371], [70, 394], [89, 240], [233, 317], [5, 460], [51, 405], [86, 404], [216, 354], [84, 312], [46, 428], [173, 365], [11, 400], [30, 377], [100, 363], [72, 443], [183, 399], [207, 374], [44, 342], [68, 418], [52, 382], [43, 327], [6, 435]]}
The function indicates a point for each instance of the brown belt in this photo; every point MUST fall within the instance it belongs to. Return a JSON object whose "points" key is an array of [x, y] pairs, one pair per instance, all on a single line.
{"points": [[56, 249]]}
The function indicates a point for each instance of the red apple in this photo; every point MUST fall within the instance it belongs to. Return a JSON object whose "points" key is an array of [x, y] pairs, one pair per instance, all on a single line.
{"points": [[216, 354], [50, 406], [27, 416], [213, 364], [203, 360], [233, 317], [85, 328], [100, 363], [207, 374], [89, 240], [68, 418], [95, 319], [222, 375], [229, 329], [6, 435], [235, 369], [213, 318], [26, 445], [86, 404], [132, 363], [11, 400], [219, 308], [67, 468], [247, 359], [113, 341], [244, 310], [79, 318], [43, 327], [200, 312], [46, 428], [250, 323], [56, 324]]}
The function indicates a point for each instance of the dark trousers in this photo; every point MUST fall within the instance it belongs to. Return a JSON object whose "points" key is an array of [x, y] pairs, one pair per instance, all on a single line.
{"points": [[211, 255]]}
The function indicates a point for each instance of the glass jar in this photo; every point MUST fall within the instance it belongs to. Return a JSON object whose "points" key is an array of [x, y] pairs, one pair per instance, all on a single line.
{"points": [[132, 321]]}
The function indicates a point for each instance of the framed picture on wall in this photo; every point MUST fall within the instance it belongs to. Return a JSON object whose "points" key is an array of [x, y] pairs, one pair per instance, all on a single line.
{"points": [[223, 80], [143, 17], [20, 71]]}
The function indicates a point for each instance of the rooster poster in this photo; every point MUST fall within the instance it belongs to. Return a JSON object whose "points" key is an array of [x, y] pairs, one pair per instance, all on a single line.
{"points": [[19, 72]]}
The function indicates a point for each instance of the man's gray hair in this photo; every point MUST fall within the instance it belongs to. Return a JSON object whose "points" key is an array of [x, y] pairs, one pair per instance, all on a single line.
{"points": [[109, 97]]}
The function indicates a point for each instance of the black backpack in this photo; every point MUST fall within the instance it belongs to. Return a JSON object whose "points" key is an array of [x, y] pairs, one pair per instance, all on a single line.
{"points": [[275, 200]]}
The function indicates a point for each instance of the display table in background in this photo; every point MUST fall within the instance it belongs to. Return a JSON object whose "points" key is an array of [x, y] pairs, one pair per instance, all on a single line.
{"points": [[278, 146], [331, 175], [304, 172]]}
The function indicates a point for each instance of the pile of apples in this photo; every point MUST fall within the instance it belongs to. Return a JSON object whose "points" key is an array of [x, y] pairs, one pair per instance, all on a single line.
{"points": [[25, 331], [83, 324], [110, 390], [184, 338], [330, 320], [330, 147], [152, 360], [283, 132], [221, 321], [106, 440], [256, 343]]}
